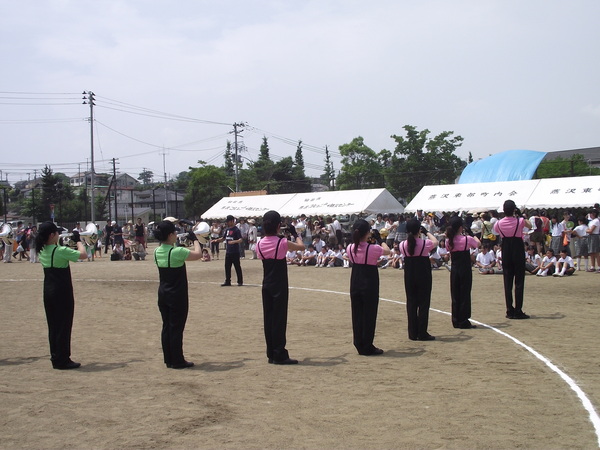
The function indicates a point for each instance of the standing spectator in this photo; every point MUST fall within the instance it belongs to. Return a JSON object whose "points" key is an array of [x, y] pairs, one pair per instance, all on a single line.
{"points": [[364, 287], [417, 279], [118, 236], [337, 226], [580, 236], [140, 232], [244, 228], [536, 235], [476, 226], [173, 301], [461, 276], [252, 237], [33, 253], [232, 237], [215, 235], [108, 231], [593, 232], [510, 228], [557, 230], [59, 301], [271, 249]]}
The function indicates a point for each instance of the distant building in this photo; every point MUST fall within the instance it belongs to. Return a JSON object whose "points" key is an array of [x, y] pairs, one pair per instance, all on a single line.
{"points": [[591, 155]]}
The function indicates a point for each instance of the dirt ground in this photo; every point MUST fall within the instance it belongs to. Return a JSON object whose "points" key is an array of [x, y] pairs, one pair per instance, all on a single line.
{"points": [[468, 389]]}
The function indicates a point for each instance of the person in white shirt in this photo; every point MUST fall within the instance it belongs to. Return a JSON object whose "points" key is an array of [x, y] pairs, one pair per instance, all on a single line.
{"points": [[317, 243], [476, 226], [485, 261], [309, 258], [336, 259], [323, 256], [548, 264], [533, 261], [557, 229], [580, 237], [498, 254], [292, 257], [565, 265], [252, 237], [593, 232]]}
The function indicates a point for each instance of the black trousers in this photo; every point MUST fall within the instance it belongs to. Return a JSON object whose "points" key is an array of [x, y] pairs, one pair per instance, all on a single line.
{"points": [[417, 284], [513, 264], [233, 259], [174, 314], [364, 318], [59, 305], [275, 310], [461, 282]]}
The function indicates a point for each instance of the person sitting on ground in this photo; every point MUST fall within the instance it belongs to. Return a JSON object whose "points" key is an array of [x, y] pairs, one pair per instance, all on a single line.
{"points": [[317, 243], [548, 264], [205, 255], [309, 257], [498, 252], [292, 257], [337, 257], [396, 257], [323, 256], [533, 261], [485, 261], [565, 265]]}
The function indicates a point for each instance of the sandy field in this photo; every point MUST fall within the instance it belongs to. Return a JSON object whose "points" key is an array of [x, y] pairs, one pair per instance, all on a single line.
{"points": [[480, 388]]}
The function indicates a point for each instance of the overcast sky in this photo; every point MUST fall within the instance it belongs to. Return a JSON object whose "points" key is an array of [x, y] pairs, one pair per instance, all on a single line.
{"points": [[502, 74]]}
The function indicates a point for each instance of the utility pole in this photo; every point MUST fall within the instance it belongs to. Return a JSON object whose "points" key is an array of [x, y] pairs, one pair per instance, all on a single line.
{"points": [[115, 181], [164, 153], [235, 135], [90, 101]]}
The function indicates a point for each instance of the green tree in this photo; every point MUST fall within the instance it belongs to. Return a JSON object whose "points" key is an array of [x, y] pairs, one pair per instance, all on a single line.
{"points": [[208, 184], [360, 167], [299, 158], [328, 173], [146, 177], [419, 160], [182, 180], [575, 166], [229, 164], [260, 171]]}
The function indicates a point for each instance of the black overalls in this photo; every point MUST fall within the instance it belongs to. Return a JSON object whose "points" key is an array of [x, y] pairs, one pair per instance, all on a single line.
{"points": [[364, 298], [513, 264], [461, 281], [417, 284], [59, 304], [173, 304], [275, 304]]}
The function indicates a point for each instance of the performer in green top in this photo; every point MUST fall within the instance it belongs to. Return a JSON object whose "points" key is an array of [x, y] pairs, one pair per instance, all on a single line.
{"points": [[173, 291], [59, 301]]}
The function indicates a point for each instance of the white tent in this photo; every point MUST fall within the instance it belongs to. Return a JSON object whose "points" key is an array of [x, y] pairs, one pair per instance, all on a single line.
{"points": [[565, 192], [471, 197], [246, 206], [364, 201], [360, 201], [545, 193]]}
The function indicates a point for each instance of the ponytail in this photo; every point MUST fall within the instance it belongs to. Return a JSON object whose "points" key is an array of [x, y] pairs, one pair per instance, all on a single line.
{"points": [[359, 230]]}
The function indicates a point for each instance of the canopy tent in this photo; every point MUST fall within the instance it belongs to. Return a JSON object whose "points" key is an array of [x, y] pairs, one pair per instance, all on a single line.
{"points": [[365, 201], [474, 197], [511, 165], [246, 206], [572, 192]]}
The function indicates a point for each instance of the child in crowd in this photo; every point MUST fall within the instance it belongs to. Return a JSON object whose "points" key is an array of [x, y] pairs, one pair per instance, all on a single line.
{"points": [[317, 243], [309, 257], [292, 257], [486, 261], [565, 265], [323, 256], [533, 261], [205, 255], [548, 264], [498, 252], [396, 257], [337, 257], [580, 237]]}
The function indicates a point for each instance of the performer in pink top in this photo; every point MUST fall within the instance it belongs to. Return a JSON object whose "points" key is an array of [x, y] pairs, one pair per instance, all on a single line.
{"points": [[364, 287], [272, 249], [461, 276], [510, 228], [417, 279]]}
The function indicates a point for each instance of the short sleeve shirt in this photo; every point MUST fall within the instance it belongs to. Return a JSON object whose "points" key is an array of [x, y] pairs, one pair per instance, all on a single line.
{"points": [[178, 256], [375, 251], [420, 249], [62, 256], [269, 247]]}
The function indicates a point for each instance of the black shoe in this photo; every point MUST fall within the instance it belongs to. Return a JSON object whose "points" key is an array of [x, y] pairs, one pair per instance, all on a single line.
{"points": [[373, 352], [226, 284], [68, 366], [413, 338], [240, 284], [286, 361], [183, 365], [426, 337], [466, 325], [270, 360], [510, 315], [520, 315]]}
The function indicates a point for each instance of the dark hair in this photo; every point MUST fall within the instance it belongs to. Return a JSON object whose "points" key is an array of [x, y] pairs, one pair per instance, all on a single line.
{"points": [[532, 247], [413, 226], [452, 230], [360, 229], [594, 212], [163, 230], [509, 208], [550, 250], [271, 220], [44, 232]]}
